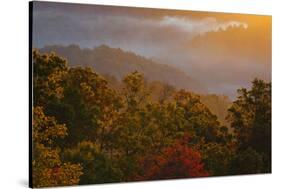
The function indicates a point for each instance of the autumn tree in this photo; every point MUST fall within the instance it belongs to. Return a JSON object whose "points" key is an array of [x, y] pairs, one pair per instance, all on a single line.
{"points": [[144, 126], [176, 161], [134, 129], [47, 167], [87, 107], [206, 133], [98, 106], [200, 119]]}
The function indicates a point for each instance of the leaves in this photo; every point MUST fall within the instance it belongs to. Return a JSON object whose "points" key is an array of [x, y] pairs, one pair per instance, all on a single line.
{"points": [[87, 130], [177, 161], [250, 117], [48, 169]]}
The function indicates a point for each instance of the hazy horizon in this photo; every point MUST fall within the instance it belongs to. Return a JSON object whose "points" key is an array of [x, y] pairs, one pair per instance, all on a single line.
{"points": [[222, 51]]}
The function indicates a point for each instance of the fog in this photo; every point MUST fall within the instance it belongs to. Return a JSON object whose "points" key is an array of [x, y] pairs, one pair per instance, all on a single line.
{"points": [[222, 51]]}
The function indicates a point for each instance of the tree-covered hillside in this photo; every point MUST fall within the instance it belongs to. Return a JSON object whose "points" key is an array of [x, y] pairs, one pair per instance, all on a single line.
{"points": [[89, 128], [117, 63]]}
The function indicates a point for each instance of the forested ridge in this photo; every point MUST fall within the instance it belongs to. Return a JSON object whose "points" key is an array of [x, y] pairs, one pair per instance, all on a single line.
{"points": [[92, 128], [116, 62]]}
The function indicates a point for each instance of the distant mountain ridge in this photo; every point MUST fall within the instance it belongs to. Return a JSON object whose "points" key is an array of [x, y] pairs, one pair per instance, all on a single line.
{"points": [[115, 62], [118, 63]]}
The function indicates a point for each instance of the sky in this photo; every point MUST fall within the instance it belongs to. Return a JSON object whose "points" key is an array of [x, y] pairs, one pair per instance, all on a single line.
{"points": [[222, 51]]}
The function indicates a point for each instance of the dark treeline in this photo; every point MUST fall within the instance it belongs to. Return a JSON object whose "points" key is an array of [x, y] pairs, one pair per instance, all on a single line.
{"points": [[118, 63], [89, 128]]}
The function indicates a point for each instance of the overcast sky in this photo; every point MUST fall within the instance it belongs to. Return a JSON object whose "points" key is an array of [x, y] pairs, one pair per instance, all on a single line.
{"points": [[222, 51]]}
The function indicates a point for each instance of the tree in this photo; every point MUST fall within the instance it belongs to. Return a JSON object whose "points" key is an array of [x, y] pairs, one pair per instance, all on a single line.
{"points": [[98, 167], [177, 161], [250, 117], [48, 73], [247, 161], [218, 104], [217, 158], [161, 91], [139, 130], [98, 106], [199, 118], [78, 97], [143, 126], [48, 169]]}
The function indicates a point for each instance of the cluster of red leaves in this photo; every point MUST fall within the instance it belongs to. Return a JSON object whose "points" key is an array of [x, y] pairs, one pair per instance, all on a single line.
{"points": [[177, 161]]}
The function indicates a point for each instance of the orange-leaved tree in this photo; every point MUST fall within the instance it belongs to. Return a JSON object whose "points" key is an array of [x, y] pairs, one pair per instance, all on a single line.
{"points": [[48, 169]]}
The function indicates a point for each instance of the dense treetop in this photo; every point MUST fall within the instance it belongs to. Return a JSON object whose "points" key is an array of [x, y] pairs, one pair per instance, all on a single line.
{"points": [[93, 128]]}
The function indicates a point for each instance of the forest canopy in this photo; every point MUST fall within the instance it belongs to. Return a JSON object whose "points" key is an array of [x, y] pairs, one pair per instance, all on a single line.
{"points": [[91, 128]]}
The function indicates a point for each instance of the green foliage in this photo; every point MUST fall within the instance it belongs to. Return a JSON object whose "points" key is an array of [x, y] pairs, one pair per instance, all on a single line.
{"points": [[98, 168], [198, 116], [217, 158], [247, 161], [93, 129], [250, 117]]}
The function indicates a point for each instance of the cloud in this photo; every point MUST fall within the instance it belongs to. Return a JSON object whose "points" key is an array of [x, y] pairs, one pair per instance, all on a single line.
{"points": [[200, 26], [188, 42]]}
